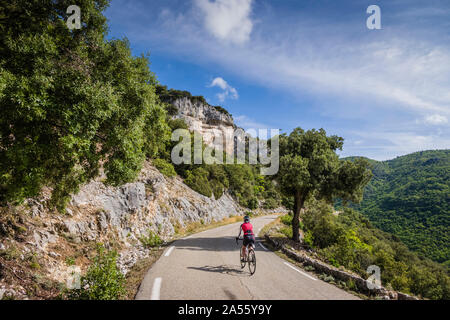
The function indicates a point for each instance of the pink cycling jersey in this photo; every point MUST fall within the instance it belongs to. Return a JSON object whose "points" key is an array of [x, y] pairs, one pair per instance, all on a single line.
{"points": [[247, 228]]}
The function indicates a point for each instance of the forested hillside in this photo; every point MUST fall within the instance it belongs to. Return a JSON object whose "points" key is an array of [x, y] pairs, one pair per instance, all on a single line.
{"points": [[409, 197]]}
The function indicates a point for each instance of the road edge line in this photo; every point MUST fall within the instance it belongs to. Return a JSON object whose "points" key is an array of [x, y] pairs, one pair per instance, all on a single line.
{"points": [[156, 289], [169, 251], [301, 272]]}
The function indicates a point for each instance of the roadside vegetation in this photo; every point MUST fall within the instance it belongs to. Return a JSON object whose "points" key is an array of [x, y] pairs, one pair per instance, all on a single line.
{"points": [[151, 240], [102, 281], [348, 240]]}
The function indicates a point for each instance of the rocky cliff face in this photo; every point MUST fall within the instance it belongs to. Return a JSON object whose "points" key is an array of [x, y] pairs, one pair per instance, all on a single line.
{"points": [[208, 121], [195, 112], [110, 215]]}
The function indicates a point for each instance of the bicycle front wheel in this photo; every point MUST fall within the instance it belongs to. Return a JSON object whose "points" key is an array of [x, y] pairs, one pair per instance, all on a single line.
{"points": [[251, 261]]}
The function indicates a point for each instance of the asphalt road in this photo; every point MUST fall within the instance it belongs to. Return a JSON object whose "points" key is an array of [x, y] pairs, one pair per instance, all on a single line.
{"points": [[206, 266]]}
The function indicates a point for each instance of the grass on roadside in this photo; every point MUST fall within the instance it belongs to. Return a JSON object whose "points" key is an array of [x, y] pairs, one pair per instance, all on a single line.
{"points": [[199, 226], [268, 227]]}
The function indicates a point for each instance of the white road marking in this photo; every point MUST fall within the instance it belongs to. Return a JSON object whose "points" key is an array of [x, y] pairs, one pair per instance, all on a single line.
{"points": [[169, 251], [262, 246], [305, 274], [156, 289]]}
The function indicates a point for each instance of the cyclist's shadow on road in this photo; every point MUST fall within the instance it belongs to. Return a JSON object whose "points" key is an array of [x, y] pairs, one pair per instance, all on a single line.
{"points": [[224, 269]]}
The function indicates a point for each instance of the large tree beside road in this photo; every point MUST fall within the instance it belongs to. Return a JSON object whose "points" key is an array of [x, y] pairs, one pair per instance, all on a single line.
{"points": [[71, 101], [310, 167]]}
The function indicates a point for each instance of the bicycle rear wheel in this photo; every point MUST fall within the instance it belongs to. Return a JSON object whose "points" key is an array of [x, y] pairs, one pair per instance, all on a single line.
{"points": [[251, 261], [243, 261]]}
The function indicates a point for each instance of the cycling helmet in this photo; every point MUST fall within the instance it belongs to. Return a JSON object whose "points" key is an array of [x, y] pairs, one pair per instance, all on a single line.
{"points": [[246, 219]]}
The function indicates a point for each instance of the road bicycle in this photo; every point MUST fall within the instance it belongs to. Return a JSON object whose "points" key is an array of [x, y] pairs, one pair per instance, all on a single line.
{"points": [[250, 257]]}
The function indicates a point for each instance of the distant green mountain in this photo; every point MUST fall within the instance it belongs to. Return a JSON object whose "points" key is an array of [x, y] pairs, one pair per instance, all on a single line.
{"points": [[410, 197]]}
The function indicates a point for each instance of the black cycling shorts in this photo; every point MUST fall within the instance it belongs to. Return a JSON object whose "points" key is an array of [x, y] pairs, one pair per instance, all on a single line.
{"points": [[249, 240]]}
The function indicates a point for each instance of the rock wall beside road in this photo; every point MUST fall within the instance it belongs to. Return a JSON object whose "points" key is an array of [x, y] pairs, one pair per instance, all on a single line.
{"points": [[115, 216]]}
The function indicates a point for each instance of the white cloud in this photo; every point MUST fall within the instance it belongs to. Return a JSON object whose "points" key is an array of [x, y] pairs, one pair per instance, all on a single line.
{"points": [[372, 78], [390, 70], [245, 122], [411, 74], [228, 91], [436, 119], [384, 145], [227, 19]]}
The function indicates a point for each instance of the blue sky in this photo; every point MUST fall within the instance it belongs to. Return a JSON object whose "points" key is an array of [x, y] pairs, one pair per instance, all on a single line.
{"points": [[308, 63]]}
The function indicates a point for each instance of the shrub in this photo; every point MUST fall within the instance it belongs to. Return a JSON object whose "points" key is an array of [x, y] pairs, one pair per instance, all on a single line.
{"points": [[197, 179], [301, 225], [258, 190], [350, 241], [222, 110], [249, 213], [308, 238], [152, 240], [351, 284], [11, 253], [350, 252], [287, 231], [287, 202], [177, 123], [170, 95], [270, 204], [164, 167], [252, 203], [171, 109], [103, 280], [323, 226], [309, 268], [326, 278], [34, 263], [287, 219]]}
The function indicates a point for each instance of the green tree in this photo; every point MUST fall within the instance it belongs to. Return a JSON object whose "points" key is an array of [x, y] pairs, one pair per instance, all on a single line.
{"points": [[309, 166], [71, 102]]}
